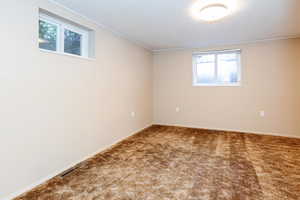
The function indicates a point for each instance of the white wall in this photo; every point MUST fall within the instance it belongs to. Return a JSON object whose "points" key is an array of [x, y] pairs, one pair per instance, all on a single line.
{"points": [[55, 110], [270, 82]]}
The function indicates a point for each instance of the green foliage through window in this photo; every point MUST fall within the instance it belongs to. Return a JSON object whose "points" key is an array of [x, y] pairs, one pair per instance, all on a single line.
{"points": [[72, 42], [47, 35]]}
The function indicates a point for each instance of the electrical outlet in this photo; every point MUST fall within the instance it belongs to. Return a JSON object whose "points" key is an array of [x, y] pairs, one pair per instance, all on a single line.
{"points": [[132, 114], [177, 109], [262, 113]]}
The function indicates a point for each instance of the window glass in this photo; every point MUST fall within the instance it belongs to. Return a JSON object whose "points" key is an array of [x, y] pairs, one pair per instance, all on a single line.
{"points": [[47, 35], [227, 68], [64, 37], [72, 42], [217, 68], [206, 69]]}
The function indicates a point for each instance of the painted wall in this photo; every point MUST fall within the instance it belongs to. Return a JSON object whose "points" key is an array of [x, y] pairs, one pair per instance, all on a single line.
{"points": [[270, 82], [56, 110]]}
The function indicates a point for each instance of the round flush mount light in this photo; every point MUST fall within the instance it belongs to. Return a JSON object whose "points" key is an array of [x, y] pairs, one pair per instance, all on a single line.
{"points": [[213, 12]]}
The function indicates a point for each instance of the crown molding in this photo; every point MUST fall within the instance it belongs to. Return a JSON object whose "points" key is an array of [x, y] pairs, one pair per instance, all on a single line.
{"points": [[102, 26], [157, 51], [249, 42]]}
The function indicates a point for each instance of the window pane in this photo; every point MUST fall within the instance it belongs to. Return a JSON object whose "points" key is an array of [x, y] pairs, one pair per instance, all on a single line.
{"points": [[47, 35], [228, 68], [72, 42], [205, 69]]}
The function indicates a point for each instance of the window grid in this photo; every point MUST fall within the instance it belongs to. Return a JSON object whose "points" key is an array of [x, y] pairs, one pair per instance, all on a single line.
{"points": [[216, 81], [60, 35]]}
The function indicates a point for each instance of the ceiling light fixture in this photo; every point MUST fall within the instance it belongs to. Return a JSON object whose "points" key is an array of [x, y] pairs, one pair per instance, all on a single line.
{"points": [[213, 12]]}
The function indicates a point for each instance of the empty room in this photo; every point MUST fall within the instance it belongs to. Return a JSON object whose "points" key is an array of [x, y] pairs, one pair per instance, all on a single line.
{"points": [[150, 100]]}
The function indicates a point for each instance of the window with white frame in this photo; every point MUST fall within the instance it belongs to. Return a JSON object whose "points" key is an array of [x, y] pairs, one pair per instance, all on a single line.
{"points": [[218, 68], [58, 36]]}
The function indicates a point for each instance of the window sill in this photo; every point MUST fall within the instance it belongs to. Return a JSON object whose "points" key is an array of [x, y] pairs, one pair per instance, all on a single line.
{"points": [[66, 54], [217, 85]]}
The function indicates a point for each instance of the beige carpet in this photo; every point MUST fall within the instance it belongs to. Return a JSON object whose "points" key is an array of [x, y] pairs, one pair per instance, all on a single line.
{"points": [[169, 163]]}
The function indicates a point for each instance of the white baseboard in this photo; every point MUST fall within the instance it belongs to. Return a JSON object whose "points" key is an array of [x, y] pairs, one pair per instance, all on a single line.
{"points": [[231, 130], [43, 180], [47, 178]]}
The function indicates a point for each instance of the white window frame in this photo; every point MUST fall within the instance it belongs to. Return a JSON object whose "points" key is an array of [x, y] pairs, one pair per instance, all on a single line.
{"points": [[52, 22], [61, 27], [216, 53]]}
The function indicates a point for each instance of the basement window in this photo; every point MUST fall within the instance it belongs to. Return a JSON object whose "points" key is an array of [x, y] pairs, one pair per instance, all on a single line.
{"points": [[60, 36], [218, 68]]}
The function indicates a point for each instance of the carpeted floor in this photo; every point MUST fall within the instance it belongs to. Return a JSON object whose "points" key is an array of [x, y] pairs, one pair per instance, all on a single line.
{"points": [[171, 163]]}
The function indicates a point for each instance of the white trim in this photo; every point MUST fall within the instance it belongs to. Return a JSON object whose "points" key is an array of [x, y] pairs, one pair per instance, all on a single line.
{"points": [[216, 68], [49, 18], [222, 51], [43, 180], [247, 42], [104, 27], [218, 84], [149, 48], [230, 130], [57, 172], [66, 54]]}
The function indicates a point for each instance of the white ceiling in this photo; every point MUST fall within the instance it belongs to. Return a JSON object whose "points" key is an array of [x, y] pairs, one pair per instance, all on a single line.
{"points": [[167, 24]]}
